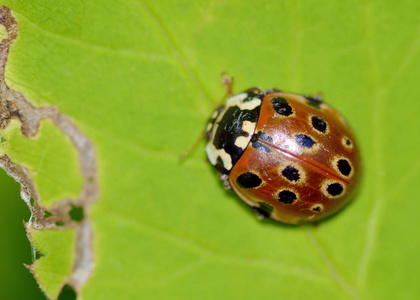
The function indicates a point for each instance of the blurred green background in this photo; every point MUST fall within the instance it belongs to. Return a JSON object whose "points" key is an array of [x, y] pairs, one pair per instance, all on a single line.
{"points": [[16, 282]]}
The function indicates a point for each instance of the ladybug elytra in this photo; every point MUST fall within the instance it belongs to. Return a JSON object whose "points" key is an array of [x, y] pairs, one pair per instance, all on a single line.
{"points": [[292, 158]]}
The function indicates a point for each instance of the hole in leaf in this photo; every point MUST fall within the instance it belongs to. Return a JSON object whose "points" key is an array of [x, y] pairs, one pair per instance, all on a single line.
{"points": [[67, 293], [32, 201], [47, 214], [38, 254], [76, 213]]}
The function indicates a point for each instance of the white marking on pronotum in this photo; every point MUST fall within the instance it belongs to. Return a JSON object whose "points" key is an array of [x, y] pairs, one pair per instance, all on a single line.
{"points": [[214, 153], [209, 127], [248, 127], [241, 142], [238, 100], [235, 100]]}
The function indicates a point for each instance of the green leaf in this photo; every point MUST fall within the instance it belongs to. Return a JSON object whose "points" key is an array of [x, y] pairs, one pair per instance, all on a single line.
{"points": [[52, 270], [51, 153], [140, 79]]}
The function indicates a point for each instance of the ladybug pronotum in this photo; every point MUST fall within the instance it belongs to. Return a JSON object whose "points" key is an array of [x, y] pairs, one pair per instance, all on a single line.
{"points": [[292, 158]]}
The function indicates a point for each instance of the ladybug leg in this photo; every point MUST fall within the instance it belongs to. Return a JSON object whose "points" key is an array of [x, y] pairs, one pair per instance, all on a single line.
{"points": [[314, 101], [225, 179], [273, 90], [318, 97], [261, 214], [199, 138], [228, 83]]}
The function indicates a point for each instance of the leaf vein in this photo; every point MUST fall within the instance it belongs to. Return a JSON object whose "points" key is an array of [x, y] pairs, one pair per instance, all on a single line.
{"points": [[207, 252], [335, 273], [97, 46], [366, 15], [180, 57]]}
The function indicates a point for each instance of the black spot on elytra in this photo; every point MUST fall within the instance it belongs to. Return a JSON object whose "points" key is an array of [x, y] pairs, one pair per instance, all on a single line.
{"points": [[287, 197], [314, 102], [256, 138], [248, 180], [335, 189], [304, 140], [264, 210], [348, 142], [291, 173], [317, 208], [319, 124], [261, 147], [281, 106], [263, 136], [344, 167]]}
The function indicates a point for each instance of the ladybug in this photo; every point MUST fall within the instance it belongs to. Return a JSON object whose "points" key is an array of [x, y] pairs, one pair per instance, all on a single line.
{"points": [[290, 157]]}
